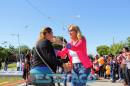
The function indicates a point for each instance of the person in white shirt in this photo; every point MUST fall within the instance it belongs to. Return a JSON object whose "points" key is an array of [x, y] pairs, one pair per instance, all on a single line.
{"points": [[18, 65]]}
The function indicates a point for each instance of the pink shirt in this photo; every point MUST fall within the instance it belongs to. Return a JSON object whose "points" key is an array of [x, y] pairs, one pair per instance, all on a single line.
{"points": [[81, 50]]}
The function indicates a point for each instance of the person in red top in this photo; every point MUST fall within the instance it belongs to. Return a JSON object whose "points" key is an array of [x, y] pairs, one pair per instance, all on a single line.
{"points": [[96, 64], [77, 52]]}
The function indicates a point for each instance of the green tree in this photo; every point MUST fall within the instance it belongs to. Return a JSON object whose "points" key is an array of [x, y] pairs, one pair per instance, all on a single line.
{"points": [[11, 53], [103, 50], [116, 48], [128, 42], [12, 49], [23, 49], [4, 53]]}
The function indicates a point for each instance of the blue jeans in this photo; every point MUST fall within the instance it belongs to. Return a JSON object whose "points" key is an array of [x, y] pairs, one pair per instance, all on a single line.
{"points": [[79, 75], [40, 72], [120, 72], [113, 75]]}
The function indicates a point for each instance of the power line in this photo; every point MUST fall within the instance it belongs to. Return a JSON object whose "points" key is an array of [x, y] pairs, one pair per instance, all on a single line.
{"points": [[48, 17], [54, 20], [38, 10]]}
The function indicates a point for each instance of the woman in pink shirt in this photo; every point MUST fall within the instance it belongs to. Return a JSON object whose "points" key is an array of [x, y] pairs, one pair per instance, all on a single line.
{"points": [[77, 52]]}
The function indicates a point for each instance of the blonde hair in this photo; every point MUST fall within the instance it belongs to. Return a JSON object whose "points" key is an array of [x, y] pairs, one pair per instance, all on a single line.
{"points": [[77, 29], [43, 33]]}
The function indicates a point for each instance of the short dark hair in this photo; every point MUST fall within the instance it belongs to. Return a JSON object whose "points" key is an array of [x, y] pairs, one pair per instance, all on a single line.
{"points": [[110, 55]]}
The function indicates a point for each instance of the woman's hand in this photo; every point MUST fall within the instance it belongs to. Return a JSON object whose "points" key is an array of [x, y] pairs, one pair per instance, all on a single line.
{"points": [[68, 46]]}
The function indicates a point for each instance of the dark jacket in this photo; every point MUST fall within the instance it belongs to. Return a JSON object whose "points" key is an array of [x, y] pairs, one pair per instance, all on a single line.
{"points": [[114, 65], [47, 52]]}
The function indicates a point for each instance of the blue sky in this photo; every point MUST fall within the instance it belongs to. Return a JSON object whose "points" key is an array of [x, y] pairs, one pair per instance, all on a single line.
{"points": [[99, 21]]}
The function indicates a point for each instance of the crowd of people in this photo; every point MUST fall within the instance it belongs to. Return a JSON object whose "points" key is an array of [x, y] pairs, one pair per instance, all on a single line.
{"points": [[114, 67]]}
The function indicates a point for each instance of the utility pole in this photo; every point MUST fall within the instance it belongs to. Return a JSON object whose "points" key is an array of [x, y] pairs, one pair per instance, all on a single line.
{"points": [[18, 42], [18, 38], [113, 40]]}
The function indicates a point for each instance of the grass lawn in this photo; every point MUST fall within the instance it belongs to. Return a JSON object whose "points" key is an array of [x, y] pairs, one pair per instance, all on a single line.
{"points": [[10, 80], [11, 66]]}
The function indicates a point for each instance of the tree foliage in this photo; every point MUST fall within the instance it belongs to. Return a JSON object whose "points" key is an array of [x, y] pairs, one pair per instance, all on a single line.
{"points": [[116, 48], [128, 42], [11, 52], [23, 49], [103, 50]]}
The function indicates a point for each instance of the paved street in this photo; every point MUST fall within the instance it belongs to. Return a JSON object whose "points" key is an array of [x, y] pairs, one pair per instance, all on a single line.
{"points": [[103, 82]]}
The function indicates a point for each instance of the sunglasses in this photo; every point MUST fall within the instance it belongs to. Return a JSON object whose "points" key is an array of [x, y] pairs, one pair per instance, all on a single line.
{"points": [[71, 30]]}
